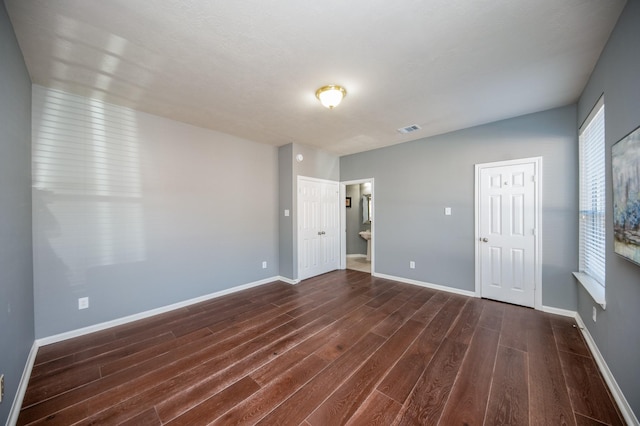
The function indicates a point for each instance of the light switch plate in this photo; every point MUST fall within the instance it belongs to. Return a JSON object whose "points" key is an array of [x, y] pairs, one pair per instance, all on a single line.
{"points": [[83, 303], [447, 211]]}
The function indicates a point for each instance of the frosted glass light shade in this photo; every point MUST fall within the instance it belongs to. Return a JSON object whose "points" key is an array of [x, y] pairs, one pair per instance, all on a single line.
{"points": [[331, 96]]}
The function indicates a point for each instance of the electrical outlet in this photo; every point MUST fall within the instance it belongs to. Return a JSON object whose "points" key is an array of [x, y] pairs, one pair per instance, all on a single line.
{"points": [[83, 303], [1, 387], [412, 264], [595, 314], [264, 265]]}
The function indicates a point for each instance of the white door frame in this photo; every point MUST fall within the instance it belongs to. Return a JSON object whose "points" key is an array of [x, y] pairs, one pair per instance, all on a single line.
{"points": [[537, 162], [343, 222]]}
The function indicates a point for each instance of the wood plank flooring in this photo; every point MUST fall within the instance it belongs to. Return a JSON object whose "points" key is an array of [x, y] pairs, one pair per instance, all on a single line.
{"points": [[341, 348]]}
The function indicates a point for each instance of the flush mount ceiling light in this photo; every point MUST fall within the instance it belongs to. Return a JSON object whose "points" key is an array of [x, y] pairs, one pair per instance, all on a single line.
{"points": [[330, 96]]}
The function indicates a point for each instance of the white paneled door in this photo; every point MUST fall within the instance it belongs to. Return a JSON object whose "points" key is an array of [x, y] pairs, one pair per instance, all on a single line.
{"points": [[318, 227], [507, 231]]}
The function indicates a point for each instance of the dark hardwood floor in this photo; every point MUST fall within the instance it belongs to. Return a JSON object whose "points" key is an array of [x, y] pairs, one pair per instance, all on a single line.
{"points": [[342, 348]]}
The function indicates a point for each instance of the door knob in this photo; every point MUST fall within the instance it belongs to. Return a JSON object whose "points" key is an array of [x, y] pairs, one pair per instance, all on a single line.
{"points": [[484, 240]]}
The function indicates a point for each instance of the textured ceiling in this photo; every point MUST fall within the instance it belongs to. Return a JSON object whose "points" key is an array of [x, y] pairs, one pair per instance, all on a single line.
{"points": [[250, 68]]}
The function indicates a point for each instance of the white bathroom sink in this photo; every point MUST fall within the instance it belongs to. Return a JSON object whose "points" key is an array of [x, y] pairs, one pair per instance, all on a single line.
{"points": [[365, 234]]}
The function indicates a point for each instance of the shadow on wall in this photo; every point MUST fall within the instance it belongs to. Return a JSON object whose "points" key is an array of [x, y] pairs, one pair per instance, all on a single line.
{"points": [[87, 195], [87, 186]]}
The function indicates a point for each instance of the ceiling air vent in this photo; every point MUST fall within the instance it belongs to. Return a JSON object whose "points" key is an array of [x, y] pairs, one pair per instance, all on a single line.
{"points": [[409, 129]]}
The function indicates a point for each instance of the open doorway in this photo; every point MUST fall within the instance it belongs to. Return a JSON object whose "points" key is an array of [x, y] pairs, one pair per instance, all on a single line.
{"points": [[357, 225]]}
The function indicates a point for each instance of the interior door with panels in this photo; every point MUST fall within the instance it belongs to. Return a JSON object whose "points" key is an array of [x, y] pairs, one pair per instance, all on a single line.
{"points": [[507, 221], [318, 227]]}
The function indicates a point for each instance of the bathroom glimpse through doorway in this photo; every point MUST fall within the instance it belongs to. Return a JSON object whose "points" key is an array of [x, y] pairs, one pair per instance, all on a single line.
{"points": [[357, 225]]}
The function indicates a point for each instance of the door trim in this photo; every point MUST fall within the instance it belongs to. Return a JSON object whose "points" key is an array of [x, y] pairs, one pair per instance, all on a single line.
{"points": [[343, 222], [537, 163]]}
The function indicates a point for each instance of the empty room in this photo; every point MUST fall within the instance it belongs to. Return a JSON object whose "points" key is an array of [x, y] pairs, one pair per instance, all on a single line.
{"points": [[319, 213]]}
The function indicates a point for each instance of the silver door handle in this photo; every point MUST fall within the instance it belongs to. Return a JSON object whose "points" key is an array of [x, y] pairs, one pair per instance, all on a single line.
{"points": [[484, 240]]}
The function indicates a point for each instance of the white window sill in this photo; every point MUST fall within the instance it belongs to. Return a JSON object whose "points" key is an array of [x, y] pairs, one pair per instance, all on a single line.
{"points": [[593, 288]]}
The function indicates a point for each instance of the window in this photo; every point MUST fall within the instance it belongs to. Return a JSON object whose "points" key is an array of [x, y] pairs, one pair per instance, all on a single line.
{"points": [[592, 198]]}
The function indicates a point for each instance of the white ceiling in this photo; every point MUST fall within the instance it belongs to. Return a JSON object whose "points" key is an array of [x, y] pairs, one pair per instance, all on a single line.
{"points": [[250, 68]]}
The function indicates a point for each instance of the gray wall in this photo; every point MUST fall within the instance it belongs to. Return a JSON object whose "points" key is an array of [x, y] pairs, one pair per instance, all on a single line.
{"points": [[617, 330], [415, 181], [316, 164], [285, 202], [16, 273], [355, 243], [137, 212]]}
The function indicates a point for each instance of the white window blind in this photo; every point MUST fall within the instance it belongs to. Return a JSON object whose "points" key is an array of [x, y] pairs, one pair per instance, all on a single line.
{"points": [[592, 195]]}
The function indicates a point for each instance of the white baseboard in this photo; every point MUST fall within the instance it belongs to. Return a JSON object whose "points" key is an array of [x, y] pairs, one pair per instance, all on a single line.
{"points": [[22, 386], [356, 256], [427, 285], [622, 402], [558, 311], [288, 280], [124, 320]]}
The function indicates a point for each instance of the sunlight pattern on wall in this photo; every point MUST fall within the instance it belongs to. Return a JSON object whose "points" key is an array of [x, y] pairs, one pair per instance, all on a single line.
{"points": [[86, 184]]}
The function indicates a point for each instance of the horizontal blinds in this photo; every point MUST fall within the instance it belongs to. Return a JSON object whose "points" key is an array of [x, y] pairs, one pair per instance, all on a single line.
{"points": [[592, 197]]}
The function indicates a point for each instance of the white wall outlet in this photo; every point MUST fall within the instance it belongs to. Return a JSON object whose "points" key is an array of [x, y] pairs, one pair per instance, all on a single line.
{"points": [[595, 314], [447, 211], [286, 212], [412, 264], [264, 265], [83, 303]]}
